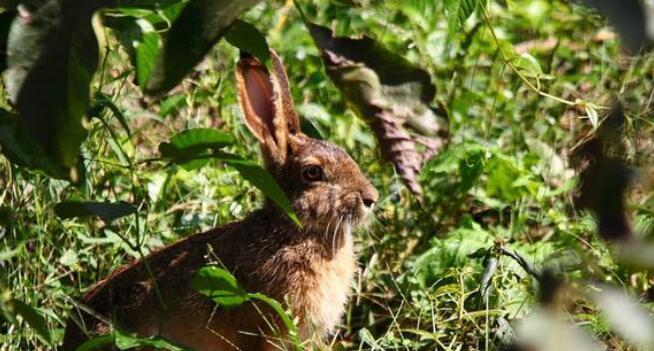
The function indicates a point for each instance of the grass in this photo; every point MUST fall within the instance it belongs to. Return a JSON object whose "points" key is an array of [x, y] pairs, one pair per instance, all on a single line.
{"points": [[505, 180]]}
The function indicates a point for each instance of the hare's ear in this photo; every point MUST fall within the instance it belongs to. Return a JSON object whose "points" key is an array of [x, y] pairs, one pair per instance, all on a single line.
{"points": [[267, 105]]}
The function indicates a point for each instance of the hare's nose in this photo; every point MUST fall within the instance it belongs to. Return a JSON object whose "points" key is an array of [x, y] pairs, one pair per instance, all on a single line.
{"points": [[369, 197]]}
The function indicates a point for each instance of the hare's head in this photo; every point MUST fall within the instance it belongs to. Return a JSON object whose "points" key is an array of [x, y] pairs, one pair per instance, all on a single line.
{"points": [[324, 184]]}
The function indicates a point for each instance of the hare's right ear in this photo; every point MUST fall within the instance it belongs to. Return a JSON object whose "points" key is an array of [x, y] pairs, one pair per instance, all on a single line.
{"points": [[267, 105]]}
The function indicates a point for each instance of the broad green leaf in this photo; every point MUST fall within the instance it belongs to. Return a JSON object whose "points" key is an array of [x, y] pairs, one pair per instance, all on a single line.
{"points": [[52, 56], [458, 11], [504, 179], [450, 252], [195, 147], [146, 54], [34, 319], [126, 342], [200, 25], [265, 182], [107, 211], [96, 343], [389, 93], [247, 37], [141, 42], [219, 285], [194, 143]]}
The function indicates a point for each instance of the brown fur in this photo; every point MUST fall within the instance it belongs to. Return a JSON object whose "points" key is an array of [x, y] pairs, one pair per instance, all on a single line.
{"points": [[310, 267]]}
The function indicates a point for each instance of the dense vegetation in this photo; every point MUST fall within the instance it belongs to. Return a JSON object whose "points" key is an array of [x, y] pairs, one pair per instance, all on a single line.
{"points": [[456, 256]]}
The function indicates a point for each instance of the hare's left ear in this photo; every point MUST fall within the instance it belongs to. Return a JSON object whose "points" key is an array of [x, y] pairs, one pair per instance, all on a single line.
{"points": [[267, 105]]}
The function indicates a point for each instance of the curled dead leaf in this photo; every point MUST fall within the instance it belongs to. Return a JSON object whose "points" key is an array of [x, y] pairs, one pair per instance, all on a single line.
{"points": [[390, 94]]}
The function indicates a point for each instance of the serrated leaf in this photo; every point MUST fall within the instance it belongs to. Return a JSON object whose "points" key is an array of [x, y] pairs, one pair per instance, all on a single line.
{"points": [[457, 12], [52, 56], [107, 211], [199, 26], [220, 286], [390, 94], [247, 37]]}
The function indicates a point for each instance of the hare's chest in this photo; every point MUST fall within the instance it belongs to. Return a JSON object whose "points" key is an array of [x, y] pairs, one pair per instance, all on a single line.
{"points": [[325, 293]]}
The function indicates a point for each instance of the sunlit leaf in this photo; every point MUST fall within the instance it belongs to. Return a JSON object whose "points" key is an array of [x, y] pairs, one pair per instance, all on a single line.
{"points": [[127, 342], [458, 11], [220, 286], [265, 182], [193, 143], [96, 343]]}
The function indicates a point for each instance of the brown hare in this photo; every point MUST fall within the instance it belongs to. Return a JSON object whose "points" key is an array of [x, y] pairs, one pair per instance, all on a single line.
{"points": [[311, 267]]}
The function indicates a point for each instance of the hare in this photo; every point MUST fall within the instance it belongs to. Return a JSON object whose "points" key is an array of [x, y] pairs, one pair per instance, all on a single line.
{"points": [[310, 267]]}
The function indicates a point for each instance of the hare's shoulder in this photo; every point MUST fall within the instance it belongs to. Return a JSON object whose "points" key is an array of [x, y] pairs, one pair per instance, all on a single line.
{"points": [[168, 266]]}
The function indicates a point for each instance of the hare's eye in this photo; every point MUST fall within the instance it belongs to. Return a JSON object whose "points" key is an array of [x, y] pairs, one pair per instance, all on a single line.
{"points": [[312, 173]]}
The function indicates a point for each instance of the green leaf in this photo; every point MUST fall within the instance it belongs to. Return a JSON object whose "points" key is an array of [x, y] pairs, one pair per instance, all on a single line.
{"points": [[503, 176], [34, 319], [200, 25], [451, 252], [247, 37], [104, 101], [277, 307], [195, 147], [219, 285], [171, 104], [126, 342], [265, 182], [107, 211], [52, 56], [141, 42], [146, 53], [193, 143], [528, 66], [457, 12], [96, 343]]}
